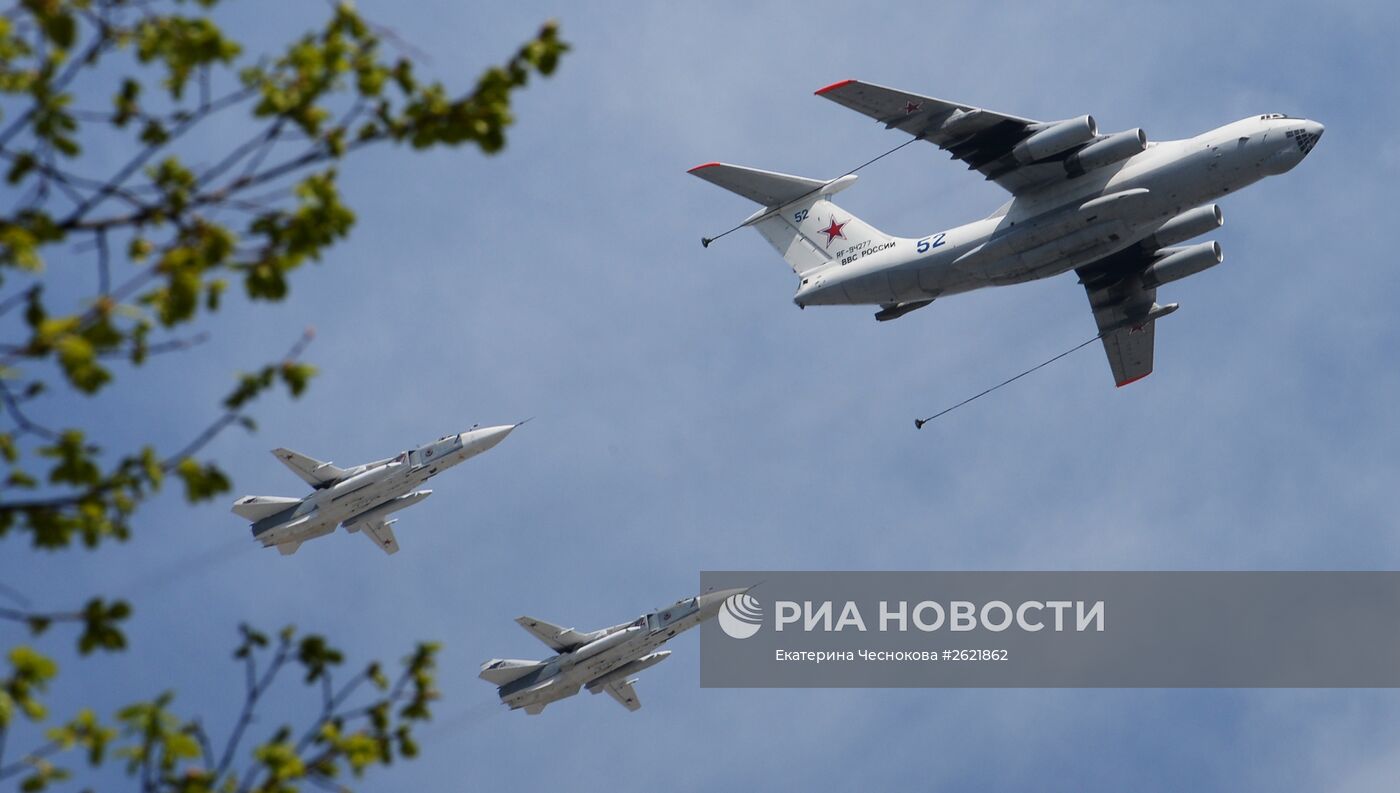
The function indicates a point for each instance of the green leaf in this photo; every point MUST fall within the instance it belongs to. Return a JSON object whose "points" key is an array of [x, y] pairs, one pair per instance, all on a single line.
{"points": [[202, 482], [316, 656], [100, 629], [78, 358], [55, 20], [296, 376]]}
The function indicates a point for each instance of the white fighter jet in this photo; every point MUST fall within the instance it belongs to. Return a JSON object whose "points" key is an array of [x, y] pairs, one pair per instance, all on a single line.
{"points": [[360, 498], [1113, 208], [601, 660]]}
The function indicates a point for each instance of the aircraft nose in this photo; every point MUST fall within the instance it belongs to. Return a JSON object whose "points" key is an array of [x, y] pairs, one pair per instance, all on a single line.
{"points": [[1307, 137], [711, 601], [480, 440]]}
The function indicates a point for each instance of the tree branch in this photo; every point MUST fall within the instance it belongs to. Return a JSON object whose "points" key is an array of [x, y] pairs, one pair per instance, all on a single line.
{"points": [[23, 423], [250, 701], [198, 442], [74, 219]]}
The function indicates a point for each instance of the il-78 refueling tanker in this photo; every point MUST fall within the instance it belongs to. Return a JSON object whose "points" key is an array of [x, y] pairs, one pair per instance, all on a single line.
{"points": [[1113, 208]]}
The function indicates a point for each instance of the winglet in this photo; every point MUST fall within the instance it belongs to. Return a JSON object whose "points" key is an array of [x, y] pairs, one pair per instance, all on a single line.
{"points": [[832, 87]]}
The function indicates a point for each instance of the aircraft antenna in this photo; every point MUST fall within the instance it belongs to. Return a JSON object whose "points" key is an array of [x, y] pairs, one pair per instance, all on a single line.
{"points": [[705, 241]]}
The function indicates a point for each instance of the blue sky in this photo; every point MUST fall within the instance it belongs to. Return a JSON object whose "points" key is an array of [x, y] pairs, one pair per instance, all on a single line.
{"points": [[689, 417]]}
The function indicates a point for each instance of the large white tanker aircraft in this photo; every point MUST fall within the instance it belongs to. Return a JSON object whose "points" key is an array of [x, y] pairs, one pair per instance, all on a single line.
{"points": [[1113, 208]]}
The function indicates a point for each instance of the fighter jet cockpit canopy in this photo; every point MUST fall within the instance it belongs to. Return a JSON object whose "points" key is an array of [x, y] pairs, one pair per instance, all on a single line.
{"points": [[679, 610], [432, 452]]}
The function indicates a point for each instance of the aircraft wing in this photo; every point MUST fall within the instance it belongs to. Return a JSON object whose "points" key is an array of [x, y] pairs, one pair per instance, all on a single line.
{"points": [[312, 471], [1129, 344], [624, 693], [560, 640], [1125, 310], [979, 137], [1129, 351], [381, 534]]}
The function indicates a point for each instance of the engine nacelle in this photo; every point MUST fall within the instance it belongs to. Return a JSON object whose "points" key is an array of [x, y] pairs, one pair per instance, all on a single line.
{"points": [[1193, 223], [1177, 263], [1114, 148], [599, 645], [361, 480], [1055, 138]]}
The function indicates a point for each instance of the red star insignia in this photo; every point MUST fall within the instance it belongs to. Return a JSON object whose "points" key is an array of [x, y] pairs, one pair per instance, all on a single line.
{"points": [[910, 107], [834, 230]]}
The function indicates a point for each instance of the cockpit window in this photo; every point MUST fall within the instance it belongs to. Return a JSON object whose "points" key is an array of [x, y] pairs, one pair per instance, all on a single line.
{"points": [[1268, 116]]}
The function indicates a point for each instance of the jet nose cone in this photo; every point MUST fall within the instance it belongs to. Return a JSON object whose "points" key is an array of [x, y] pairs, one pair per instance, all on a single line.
{"points": [[711, 601], [485, 438]]}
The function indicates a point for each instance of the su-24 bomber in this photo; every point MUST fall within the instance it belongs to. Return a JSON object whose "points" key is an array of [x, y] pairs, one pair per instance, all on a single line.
{"points": [[360, 498], [1113, 208], [601, 660]]}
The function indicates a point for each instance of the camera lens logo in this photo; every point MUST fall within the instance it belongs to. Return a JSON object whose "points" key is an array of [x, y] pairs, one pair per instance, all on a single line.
{"points": [[740, 616]]}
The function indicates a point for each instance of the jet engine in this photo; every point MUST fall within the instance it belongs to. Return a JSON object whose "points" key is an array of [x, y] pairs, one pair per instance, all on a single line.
{"points": [[1177, 263], [1055, 138], [606, 643], [1115, 147], [1192, 223]]}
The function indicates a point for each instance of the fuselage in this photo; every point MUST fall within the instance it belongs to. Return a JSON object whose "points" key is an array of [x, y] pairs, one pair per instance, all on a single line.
{"points": [[1067, 224], [620, 649], [375, 489]]}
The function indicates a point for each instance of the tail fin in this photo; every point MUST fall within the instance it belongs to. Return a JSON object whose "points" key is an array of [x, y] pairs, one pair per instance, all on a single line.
{"points": [[798, 218]]}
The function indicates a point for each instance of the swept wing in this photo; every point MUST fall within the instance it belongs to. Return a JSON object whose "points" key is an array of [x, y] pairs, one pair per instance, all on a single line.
{"points": [[560, 640], [312, 471], [983, 139]]}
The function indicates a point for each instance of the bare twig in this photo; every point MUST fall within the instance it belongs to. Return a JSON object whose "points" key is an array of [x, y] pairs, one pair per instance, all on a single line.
{"points": [[18, 298], [29, 760], [104, 265], [256, 688], [75, 218], [22, 422]]}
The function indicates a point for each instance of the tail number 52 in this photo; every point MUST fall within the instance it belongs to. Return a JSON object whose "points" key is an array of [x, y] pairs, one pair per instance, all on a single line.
{"points": [[929, 243]]}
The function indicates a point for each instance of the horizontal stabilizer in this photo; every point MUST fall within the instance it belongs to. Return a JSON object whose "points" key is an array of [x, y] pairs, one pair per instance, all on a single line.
{"points": [[769, 188], [255, 508], [379, 533], [625, 694], [798, 218], [501, 671]]}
